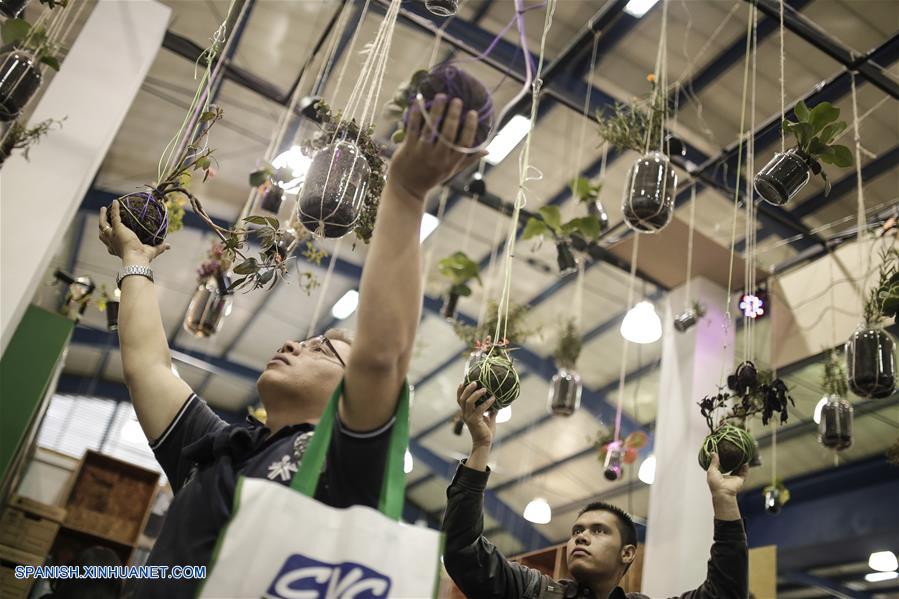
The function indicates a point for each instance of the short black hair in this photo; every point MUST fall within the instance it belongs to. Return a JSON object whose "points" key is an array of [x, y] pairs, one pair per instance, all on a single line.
{"points": [[625, 524]]}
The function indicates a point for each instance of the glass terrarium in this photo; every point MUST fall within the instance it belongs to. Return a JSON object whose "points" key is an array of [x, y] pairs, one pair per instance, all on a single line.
{"points": [[209, 306], [334, 190], [442, 8], [12, 9], [112, 315], [20, 77], [565, 258], [565, 392], [871, 363], [614, 458], [783, 177], [835, 427], [649, 193]]}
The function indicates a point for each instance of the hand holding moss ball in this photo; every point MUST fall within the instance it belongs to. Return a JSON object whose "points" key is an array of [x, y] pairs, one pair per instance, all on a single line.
{"points": [[734, 446], [493, 370]]}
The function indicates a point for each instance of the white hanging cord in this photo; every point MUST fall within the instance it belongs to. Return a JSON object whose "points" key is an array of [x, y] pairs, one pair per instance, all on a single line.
{"points": [[660, 87], [750, 200], [579, 297], [783, 109], [860, 197], [327, 64], [351, 49], [622, 373], [689, 298], [585, 112], [491, 277], [438, 41], [324, 289]]}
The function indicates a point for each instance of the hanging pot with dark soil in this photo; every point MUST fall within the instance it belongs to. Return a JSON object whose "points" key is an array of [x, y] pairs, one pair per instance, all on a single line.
{"points": [[209, 306], [871, 363], [442, 8], [835, 426], [492, 369], [565, 391], [145, 213], [11, 9], [20, 78], [334, 190], [112, 315], [734, 445], [649, 193], [450, 301], [782, 178], [612, 465], [565, 258], [272, 198]]}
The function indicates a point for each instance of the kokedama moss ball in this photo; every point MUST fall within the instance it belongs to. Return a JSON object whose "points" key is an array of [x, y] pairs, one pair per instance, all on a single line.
{"points": [[734, 445], [493, 370], [145, 214], [455, 83]]}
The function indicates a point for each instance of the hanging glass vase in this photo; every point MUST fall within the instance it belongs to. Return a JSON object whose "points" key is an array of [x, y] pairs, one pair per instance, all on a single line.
{"points": [[334, 190], [20, 78], [112, 315], [271, 199], [773, 502], [871, 363], [11, 9], [565, 258], [783, 177], [450, 301], [649, 193], [442, 8], [565, 392], [614, 457], [492, 369], [835, 426], [595, 208], [209, 306]]}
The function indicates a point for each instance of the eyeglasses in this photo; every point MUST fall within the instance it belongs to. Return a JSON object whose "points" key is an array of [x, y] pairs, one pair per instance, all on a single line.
{"points": [[323, 341]]}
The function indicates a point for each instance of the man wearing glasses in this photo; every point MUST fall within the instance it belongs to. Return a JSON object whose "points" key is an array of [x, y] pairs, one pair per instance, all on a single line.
{"points": [[203, 456]]}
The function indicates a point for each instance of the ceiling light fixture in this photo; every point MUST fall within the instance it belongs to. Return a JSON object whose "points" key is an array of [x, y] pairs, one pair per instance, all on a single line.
{"points": [[641, 324], [881, 576], [638, 8], [407, 462], [507, 138], [883, 561], [346, 305], [538, 511], [647, 471], [298, 162], [429, 223]]}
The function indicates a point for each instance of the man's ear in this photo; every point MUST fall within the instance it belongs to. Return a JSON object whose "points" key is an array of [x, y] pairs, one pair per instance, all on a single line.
{"points": [[628, 554]]}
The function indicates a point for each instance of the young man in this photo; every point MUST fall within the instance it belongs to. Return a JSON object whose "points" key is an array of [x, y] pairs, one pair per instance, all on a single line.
{"points": [[603, 540], [203, 457]]}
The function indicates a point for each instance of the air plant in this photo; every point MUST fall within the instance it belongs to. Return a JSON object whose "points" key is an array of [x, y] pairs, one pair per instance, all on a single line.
{"points": [[635, 126], [516, 331], [882, 300], [568, 347], [20, 137]]}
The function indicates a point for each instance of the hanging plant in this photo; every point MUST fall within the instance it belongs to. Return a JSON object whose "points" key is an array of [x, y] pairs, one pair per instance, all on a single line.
{"points": [[344, 182], [749, 392], [581, 231], [452, 81], [268, 182], [515, 328], [460, 270], [615, 454], [566, 388], [20, 137], [686, 319], [814, 132], [490, 366], [776, 495], [635, 126], [835, 422], [870, 351], [568, 347], [587, 193], [24, 49]]}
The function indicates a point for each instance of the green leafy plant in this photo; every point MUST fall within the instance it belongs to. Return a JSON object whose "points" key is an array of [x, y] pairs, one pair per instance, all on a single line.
{"points": [[398, 105], [637, 126], [516, 329], [584, 190], [267, 173], [18, 34], [815, 131], [834, 380], [550, 223], [20, 137], [882, 300], [460, 270], [568, 347], [333, 126]]}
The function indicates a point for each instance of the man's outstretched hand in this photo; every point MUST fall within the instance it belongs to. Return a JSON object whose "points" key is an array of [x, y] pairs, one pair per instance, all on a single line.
{"points": [[724, 489]]}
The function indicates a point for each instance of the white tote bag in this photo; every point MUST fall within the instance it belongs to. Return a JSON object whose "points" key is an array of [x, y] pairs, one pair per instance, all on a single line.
{"points": [[282, 544]]}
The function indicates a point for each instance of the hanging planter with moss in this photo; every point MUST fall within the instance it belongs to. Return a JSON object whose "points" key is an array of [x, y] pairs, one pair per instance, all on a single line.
{"points": [[11, 9], [209, 306], [688, 318], [492, 368], [25, 49], [460, 270], [579, 231], [566, 388], [734, 446], [146, 214]]}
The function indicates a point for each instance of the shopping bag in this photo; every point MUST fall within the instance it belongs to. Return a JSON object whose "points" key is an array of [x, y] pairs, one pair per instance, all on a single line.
{"points": [[282, 544]]}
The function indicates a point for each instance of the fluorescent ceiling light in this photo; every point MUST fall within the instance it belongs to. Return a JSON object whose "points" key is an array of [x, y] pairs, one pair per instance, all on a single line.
{"points": [[407, 462], [132, 433], [883, 561], [429, 222], [538, 511], [504, 415], [641, 324], [881, 576], [638, 8], [507, 138], [296, 161], [817, 415], [346, 305], [647, 471]]}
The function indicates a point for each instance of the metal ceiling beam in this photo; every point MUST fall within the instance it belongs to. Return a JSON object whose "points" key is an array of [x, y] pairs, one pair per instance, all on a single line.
{"points": [[832, 588]]}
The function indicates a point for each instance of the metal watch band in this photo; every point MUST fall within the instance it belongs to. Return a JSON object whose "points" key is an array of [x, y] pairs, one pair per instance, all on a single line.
{"points": [[134, 269]]}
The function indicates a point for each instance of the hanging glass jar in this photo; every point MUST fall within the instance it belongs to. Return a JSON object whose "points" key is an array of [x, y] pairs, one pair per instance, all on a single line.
{"points": [[835, 426], [772, 500], [649, 193], [112, 315], [871, 363], [783, 177], [450, 302], [271, 199], [442, 8], [614, 457], [209, 306], [565, 392], [20, 77], [334, 190], [565, 258], [11, 9]]}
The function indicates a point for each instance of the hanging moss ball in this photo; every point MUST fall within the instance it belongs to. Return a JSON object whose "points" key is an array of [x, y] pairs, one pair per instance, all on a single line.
{"points": [[734, 445], [455, 83], [493, 370], [145, 214]]}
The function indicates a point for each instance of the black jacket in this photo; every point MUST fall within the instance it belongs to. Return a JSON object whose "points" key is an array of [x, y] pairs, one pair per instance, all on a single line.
{"points": [[482, 572]]}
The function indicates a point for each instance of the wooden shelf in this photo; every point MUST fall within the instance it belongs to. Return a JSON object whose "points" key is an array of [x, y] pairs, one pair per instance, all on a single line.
{"points": [[96, 535]]}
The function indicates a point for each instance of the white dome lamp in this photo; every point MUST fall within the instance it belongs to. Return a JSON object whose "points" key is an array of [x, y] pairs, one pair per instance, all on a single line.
{"points": [[641, 324], [647, 472], [538, 511]]}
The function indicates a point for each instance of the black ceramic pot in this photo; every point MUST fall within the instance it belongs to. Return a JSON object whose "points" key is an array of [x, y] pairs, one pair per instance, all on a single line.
{"points": [[649, 193], [20, 77], [565, 392], [871, 363], [783, 177]]}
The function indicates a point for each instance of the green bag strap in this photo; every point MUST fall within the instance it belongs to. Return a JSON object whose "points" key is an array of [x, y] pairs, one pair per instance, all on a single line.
{"points": [[393, 487]]}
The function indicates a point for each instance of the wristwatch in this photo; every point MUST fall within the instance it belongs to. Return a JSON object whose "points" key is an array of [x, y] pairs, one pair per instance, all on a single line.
{"points": [[134, 269]]}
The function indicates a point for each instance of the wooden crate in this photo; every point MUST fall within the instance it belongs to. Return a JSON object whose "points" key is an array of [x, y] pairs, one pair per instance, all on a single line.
{"points": [[110, 498], [26, 531], [10, 586]]}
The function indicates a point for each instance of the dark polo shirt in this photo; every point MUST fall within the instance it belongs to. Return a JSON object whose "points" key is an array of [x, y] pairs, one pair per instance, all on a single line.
{"points": [[203, 457]]}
